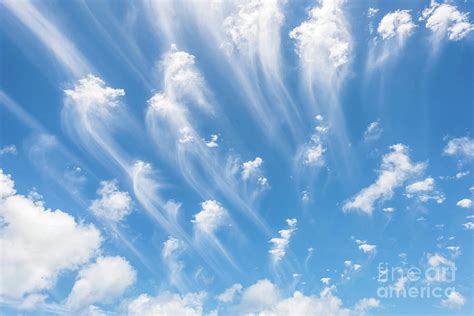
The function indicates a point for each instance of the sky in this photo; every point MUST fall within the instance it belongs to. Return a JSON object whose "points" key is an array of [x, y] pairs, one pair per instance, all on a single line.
{"points": [[236, 158]]}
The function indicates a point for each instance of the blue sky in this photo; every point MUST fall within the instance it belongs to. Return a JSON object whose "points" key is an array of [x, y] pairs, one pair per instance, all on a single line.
{"points": [[220, 158]]}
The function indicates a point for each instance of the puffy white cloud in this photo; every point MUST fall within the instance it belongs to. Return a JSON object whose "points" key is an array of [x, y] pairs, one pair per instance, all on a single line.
{"points": [[38, 243], [167, 304], [365, 247], [373, 131], [9, 149], [264, 298], [213, 142], [464, 203], [324, 44], [251, 168], [7, 185], [113, 205], [438, 260], [372, 12], [460, 175], [91, 93], [395, 170], [454, 300], [171, 251], [388, 209], [280, 244], [324, 37], [172, 246], [462, 147], [445, 19], [313, 152], [229, 294], [421, 186], [210, 218], [397, 24], [101, 282]]}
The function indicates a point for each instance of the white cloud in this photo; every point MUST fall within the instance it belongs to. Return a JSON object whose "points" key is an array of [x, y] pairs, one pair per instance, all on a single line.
{"points": [[313, 152], [167, 304], [9, 149], [468, 225], [171, 251], [388, 209], [91, 93], [396, 168], [454, 300], [437, 260], [325, 280], [421, 186], [210, 218], [264, 298], [38, 243], [172, 246], [229, 294], [280, 244], [462, 147], [101, 282], [397, 24], [365, 247], [460, 175], [372, 12], [445, 19], [464, 203], [373, 132], [113, 205], [323, 44], [251, 168], [213, 142]]}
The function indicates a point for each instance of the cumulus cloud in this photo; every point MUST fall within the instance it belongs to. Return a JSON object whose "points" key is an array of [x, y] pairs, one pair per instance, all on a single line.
{"points": [[468, 225], [210, 218], [171, 251], [113, 205], [323, 43], [325, 280], [462, 147], [446, 20], [167, 304], [454, 300], [395, 170], [424, 191], [101, 282], [229, 294], [251, 168], [280, 244], [397, 24], [464, 203], [213, 141], [373, 132], [312, 153], [365, 247], [264, 298], [38, 243]]}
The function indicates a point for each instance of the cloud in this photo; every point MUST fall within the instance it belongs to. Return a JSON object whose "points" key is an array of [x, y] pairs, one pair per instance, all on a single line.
{"points": [[229, 294], [388, 209], [454, 300], [280, 244], [101, 282], [464, 203], [312, 153], [210, 218], [264, 298], [468, 225], [397, 24], [396, 168], [171, 251], [424, 191], [8, 150], [251, 168], [323, 44], [113, 205], [462, 147], [446, 20], [325, 280], [373, 132], [212, 143], [167, 304], [365, 247], [38, 243]]}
